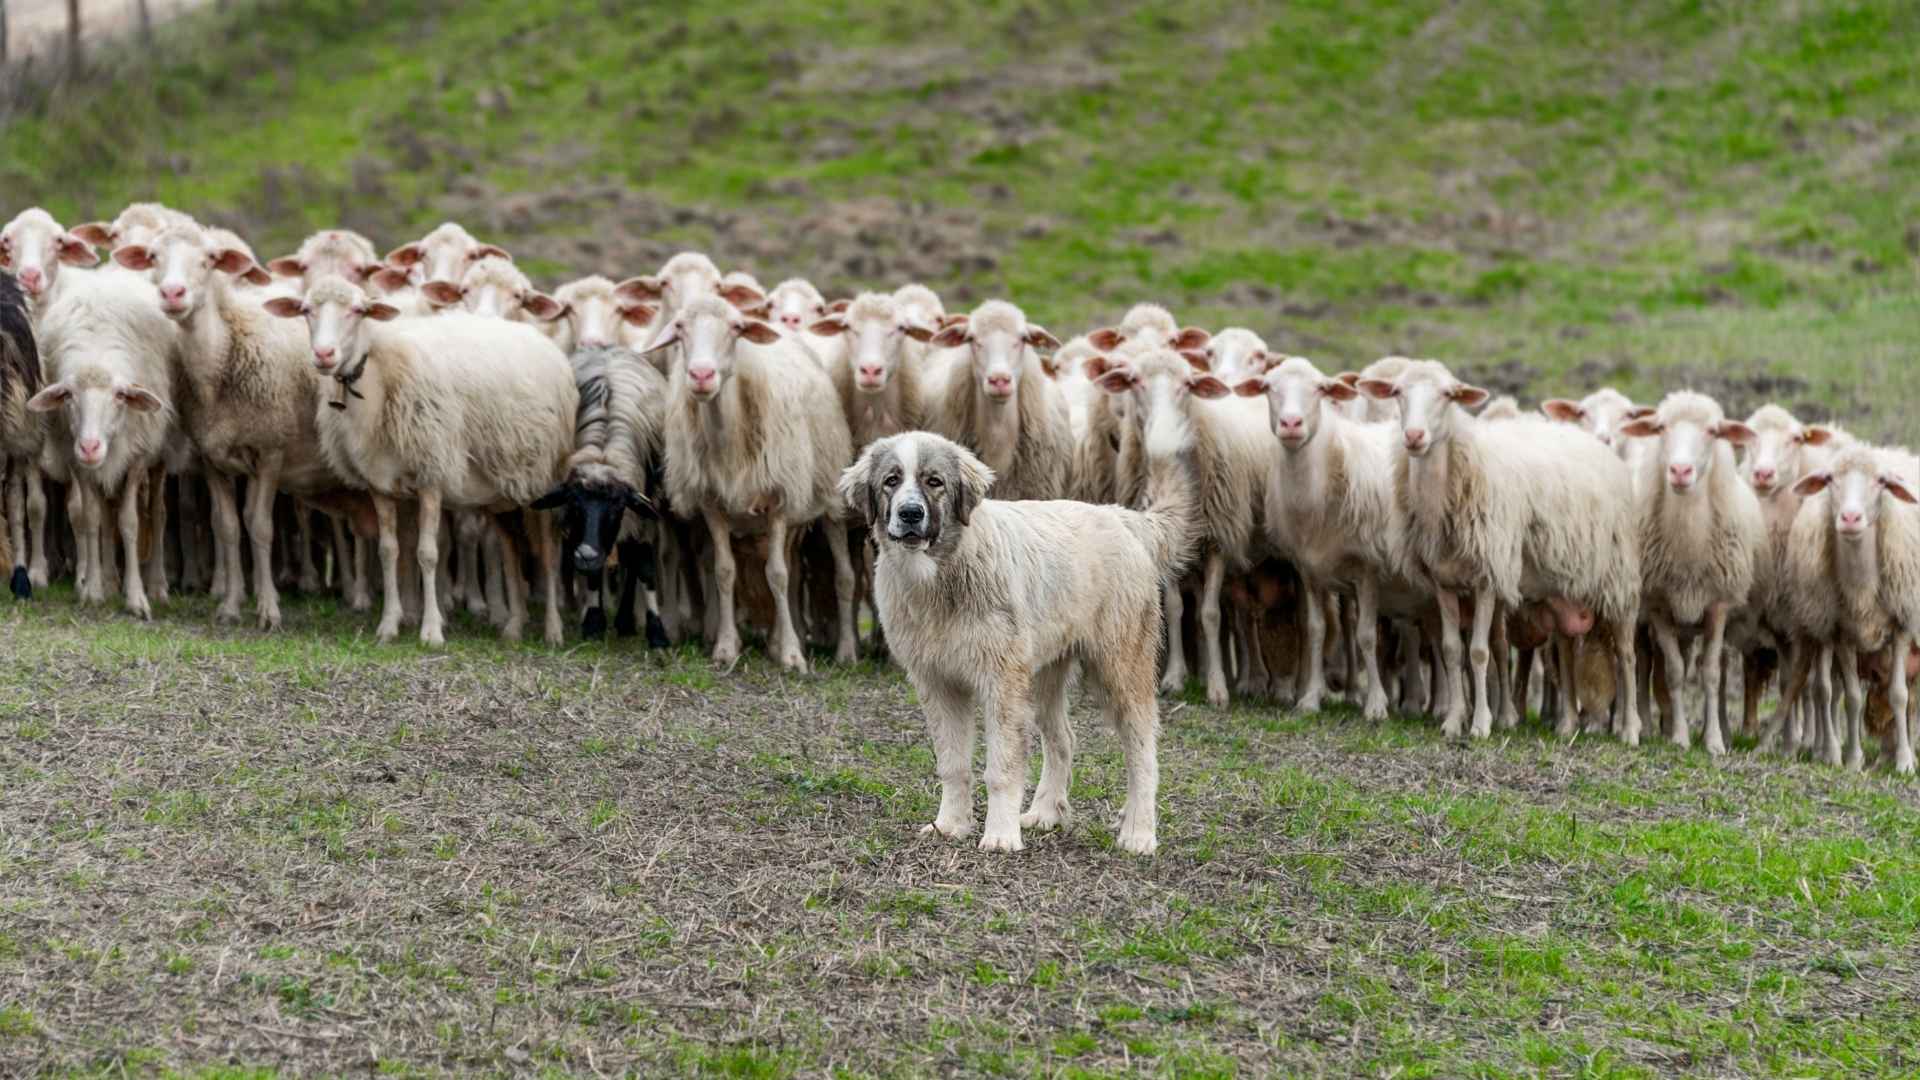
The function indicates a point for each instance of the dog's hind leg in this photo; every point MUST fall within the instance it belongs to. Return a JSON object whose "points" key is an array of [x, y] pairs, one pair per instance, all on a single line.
{"points": [[1049, 808], [1009, 706], [950, 726]]}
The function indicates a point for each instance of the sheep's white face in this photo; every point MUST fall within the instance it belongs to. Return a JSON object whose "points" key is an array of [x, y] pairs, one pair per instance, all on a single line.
{"points": [[1857, 482], [1688, 430], [707, 334], [793, 307], [1235, 353], [1426, 394], [874, 344], [34, 246], [1157, 387], [1295, 392], [336, 314], [591, 320], [182, 263], [445, 254], [1780, 454], [330, 252], [96, 411]]}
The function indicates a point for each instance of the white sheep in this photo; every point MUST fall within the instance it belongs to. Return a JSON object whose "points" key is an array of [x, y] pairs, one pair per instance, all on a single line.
{"points": [[879, 386], [1513, 511], [137, 224], [990, 394], [331, 251], [494, 288], [1853, 564], [1702, 533], [461, 410], [592, 317], [445, 254], [109, 357], [755, 441], [1236, 354], [1232, 454], [795, 303]]}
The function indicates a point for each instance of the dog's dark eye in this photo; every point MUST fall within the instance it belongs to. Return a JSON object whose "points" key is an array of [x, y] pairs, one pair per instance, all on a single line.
{"points": [[935, 482], [891, 482]]}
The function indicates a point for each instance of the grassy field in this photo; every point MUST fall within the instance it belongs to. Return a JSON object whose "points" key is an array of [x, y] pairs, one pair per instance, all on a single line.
{"points": [[1549, 195], [221, 851]]}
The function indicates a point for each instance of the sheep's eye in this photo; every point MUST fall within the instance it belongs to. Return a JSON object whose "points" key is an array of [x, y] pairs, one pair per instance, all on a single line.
{"points": [[892, 481], [935, 483]]}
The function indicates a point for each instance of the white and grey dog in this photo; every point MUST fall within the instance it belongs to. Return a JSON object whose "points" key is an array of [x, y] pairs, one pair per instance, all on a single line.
{"points": [[992, 602]]}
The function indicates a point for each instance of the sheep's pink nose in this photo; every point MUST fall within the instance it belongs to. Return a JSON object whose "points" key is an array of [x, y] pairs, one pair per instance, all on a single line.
{"points": [[792, 321], [30, 279], [90, 449], [593, 343], [1680, 475], [703, 377], [173, 295], [1000, 384], [1850, 519], [1416, 438], [1763, 476], [1294, 424], [871, 374], [323, 355]]}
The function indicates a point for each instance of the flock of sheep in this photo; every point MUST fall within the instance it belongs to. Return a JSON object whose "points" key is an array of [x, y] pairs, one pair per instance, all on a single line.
{"points": [[1388, 533]]}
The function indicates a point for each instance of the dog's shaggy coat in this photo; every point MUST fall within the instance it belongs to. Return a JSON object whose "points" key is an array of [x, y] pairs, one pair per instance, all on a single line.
{"points": [[994, 602]]}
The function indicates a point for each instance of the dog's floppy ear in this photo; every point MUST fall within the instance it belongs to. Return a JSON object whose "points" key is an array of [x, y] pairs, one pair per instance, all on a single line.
{"points": [[971, 485], [857, 488]]}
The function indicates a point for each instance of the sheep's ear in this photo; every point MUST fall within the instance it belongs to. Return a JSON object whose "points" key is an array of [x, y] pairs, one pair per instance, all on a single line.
{"points": [[1351, 378], [1567, 412], [489, 251], [1251, 387], [134, 256], [970, 486], [1106, 339], [257, 275], [363, 272], [1467, 396], [1639, 411], [1378, 389], [380, 311], [1338, 391], [76, 252], [952, 337], [1898, 489], [1644, 427], [1734, 432], [1208, 387], [443, 293], [1038, 337], [917, 332], [543, 307], [232, 261], [1049, 366], [639, 314], [645, 287], [97, 233], [1096, 365], [49, 397], [286, 307], [1191, 338], [1197, 360], [555, 499], [386, 278], [758, 332], [856, 485], [1812, 484], [829, 327], [742, 296], [1116, 381], [839, 307], [406, 255], [139, 398], [1816, 436], [668, 335], [956, 318]]}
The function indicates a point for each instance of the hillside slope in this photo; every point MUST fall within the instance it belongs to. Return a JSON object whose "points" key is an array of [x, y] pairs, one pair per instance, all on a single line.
{"points": [[1547, 195]]}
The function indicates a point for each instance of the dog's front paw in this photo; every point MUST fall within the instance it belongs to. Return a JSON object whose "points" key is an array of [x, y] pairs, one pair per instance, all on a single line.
{"points": [[1008, 840], [951, 830]]}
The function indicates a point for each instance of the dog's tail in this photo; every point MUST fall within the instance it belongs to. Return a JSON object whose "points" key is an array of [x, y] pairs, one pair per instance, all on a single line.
{"points": [[1166, 522]]}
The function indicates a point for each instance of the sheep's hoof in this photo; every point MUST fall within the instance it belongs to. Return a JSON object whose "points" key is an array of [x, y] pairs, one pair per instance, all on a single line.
{"points": [[227, 617], [269, 620], [794, 662], [1217, 697], [1173, 682], [37, 578], [847, 654], [21, 584], [1903, 765], [657, 632], [432, 638], [594, 626], [140, 609]]}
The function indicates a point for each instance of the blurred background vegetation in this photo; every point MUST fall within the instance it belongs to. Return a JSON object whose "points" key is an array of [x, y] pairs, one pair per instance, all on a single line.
{"points": [[1548, 195]]}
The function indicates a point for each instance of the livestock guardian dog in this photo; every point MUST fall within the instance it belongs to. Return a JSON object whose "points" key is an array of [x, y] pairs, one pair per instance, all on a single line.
{"points": [[992, 602]]}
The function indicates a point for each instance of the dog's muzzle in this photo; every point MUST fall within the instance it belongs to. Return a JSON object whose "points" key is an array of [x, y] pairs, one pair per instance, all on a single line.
{"points": [[909, 524]]}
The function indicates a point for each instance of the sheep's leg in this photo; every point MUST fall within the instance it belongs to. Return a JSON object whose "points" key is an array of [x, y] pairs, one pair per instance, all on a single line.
{"points": [[1313, 649], [343, 575], [726, 642], [546, 550], [1566, 704], [1175, 678], [1799, 669], [37, 525], [266, 482], [155, 574], [1711, 657], [514, 581], [845, 594], [786, 640], [1502, 673], [226, 538], [106, 551], [387, 512], [21, 582], [494, 569], [1454, 723], [1215, 576], [1253, 665], [127, 511], [309, 581], [1050, 808], [1349, 629], [1481, 654], [1623, 676], [1751, 689], [427, 551], [472, 564], [1856, 706], [1822, 712], [1897, 698], [1366, 629], [1413, 684], [1673, 699]]}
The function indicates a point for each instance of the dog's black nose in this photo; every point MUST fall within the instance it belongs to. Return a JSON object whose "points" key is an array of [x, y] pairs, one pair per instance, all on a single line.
{"points": [[912, 514]]}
